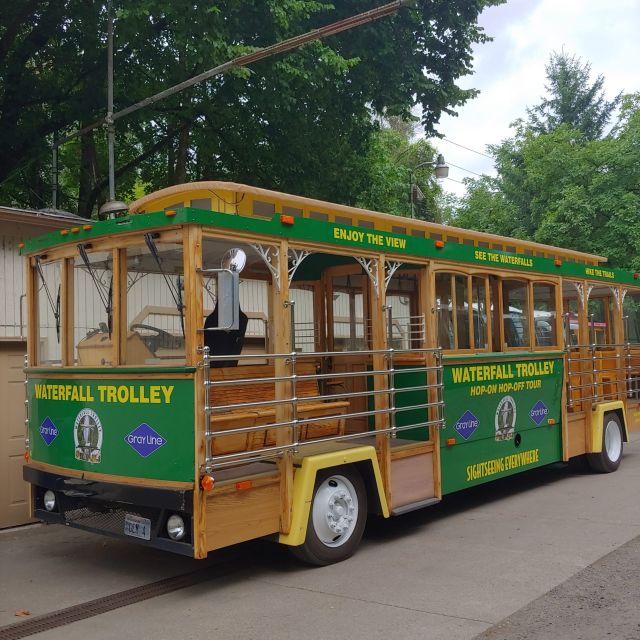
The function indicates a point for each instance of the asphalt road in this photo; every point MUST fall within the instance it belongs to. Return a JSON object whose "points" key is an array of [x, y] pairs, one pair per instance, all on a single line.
{"points": [[541, 555]]}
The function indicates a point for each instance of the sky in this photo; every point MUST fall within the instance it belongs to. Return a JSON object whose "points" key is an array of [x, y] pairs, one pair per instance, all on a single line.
{"points": [[510, 71]]}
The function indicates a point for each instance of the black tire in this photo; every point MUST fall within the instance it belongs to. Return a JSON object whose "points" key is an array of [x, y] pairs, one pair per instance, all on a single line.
{"points": [[609, 458], [332, 510]]}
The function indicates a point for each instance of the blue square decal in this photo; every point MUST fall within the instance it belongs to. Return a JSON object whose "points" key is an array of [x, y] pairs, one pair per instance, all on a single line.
{"points": [[144, 440], [48, 431], [539, 412], [466, 425]]}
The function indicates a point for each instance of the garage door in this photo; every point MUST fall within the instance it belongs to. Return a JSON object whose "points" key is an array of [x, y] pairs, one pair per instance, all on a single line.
{"points": [[14, 493]]}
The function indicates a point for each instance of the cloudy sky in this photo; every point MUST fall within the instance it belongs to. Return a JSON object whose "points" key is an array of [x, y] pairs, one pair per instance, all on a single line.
{"points": [[510, 70]]}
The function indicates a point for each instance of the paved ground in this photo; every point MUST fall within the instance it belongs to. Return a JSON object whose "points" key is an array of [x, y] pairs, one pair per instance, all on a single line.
{"points": [[452, 571], [602, 601]]}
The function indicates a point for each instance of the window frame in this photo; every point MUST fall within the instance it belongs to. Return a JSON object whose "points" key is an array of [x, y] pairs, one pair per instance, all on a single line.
{"points": [[469, 275], [559, 327], [628, 290]]}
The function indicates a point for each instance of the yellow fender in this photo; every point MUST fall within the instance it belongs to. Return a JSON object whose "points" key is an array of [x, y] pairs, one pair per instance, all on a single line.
{"points": [[597, 422], [304, 483]]}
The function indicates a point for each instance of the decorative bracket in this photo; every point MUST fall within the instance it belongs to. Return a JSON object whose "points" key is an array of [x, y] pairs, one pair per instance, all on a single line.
{"points": [[580, 289], [370, 265], [132, 279], [589, 290], [296, 257], [271, 257], [389, 269], [618, 297]]}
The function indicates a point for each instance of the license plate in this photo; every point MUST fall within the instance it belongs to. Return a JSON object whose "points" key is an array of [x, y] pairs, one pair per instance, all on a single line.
{"points": [[137, 527]]}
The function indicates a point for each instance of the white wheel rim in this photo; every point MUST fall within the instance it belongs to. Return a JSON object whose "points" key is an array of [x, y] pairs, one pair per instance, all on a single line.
{"points": [[335, 511], [613, 441]]}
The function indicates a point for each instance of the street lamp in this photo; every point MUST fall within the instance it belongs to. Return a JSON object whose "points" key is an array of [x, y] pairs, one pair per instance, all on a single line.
{"points": [[441, 172]]}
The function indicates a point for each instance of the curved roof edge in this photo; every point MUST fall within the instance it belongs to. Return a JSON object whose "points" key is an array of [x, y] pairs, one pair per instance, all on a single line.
{"points": [[212, 185]]}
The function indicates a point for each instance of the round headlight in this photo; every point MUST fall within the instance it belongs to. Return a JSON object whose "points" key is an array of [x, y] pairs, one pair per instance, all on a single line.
{"points": [[175, 527], [49, 500]]}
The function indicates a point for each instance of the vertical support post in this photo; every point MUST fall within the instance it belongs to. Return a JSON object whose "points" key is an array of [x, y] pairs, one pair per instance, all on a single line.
{"points": [[294, 403], [627, 357], [380, 362], [206, 378], [566, 318], [119, 333], [33, 314], [67, 312], [282, 343], [592, 347], [390, 367], [194, 340], [294, 386], [193, 293], [27, 443]]}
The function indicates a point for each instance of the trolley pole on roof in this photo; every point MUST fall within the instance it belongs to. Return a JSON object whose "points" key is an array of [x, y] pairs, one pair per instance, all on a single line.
{"points": [[111, 207], [240, 61], [109, 119]]}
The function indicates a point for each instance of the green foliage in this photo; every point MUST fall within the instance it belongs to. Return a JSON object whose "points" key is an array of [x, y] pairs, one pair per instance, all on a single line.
{"points": [[389, 172], [300, 122], [573, 100], [564, 189], [559, 181]]}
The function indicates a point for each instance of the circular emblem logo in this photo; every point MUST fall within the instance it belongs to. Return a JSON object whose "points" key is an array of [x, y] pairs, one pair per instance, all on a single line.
{"points": [[87, 435], [506, 418]]}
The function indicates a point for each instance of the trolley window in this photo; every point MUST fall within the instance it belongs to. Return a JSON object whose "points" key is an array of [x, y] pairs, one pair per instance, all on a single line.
{"points": [[155, 305], [515, 313], [631, 310], [544, 314], [49, 351]]}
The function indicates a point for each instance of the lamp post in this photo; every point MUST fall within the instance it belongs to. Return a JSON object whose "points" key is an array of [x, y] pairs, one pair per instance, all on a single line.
{"points": [[441, 172]]}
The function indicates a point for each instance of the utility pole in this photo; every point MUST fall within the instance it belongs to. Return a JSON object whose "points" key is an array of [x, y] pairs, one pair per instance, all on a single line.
{"points": [[241, 61]]}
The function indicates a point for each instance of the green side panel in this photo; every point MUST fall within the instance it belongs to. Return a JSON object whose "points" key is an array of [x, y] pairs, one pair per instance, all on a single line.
{"points": [[126, 427], [498, 413], [406, 399], [410, 399]]}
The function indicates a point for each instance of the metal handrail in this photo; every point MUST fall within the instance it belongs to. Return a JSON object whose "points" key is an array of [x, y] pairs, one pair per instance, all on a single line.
{"points": [[347, 436], [623, 371], [296, 403]]}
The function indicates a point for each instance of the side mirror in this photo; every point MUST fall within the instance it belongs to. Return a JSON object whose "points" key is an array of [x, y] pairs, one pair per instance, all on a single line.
{"points": [[234, 260]]}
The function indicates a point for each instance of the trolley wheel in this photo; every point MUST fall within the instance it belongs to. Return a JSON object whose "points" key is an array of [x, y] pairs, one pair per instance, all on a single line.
{"points": [[337, 517], [609, 458]]}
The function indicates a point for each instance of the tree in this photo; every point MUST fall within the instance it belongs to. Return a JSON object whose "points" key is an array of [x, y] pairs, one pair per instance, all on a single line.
{"points": [[389, 172], [300, 122], [573, 99], [564, 189]]}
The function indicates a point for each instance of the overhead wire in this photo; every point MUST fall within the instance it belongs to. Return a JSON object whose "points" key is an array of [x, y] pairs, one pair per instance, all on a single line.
{"points": [[457, 144], [467, 170]]}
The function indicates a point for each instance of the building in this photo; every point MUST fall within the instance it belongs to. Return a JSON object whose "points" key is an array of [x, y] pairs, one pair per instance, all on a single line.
{"points": [[16, 226]]}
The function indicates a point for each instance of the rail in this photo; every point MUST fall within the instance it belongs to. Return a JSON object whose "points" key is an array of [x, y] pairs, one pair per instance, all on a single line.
{"points": [[600, 371], [316, 399]]}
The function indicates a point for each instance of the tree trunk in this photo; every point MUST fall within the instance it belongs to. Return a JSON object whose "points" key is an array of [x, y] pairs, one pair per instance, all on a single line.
{"points": [[88, 174], [180, 172]]}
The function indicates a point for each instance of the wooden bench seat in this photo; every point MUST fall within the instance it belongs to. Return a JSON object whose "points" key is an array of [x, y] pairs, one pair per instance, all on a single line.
{"points": [[263, 416]]}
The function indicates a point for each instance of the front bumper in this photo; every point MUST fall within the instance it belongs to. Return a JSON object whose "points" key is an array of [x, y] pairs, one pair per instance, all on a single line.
{"points": [[101, 507]]}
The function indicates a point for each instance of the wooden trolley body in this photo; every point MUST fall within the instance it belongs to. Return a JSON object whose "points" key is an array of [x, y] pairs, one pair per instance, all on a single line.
{"points": [[397, 359]]}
